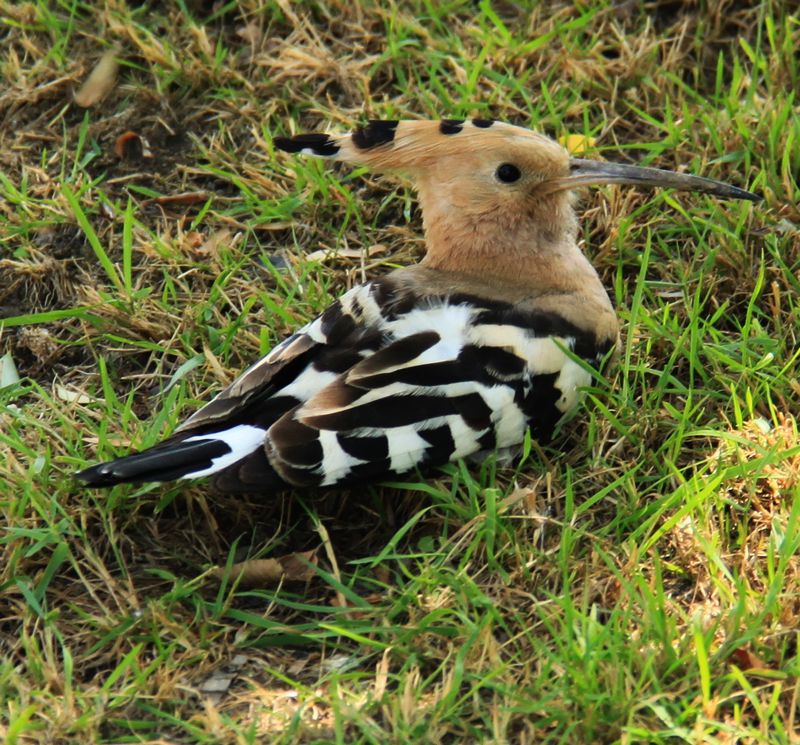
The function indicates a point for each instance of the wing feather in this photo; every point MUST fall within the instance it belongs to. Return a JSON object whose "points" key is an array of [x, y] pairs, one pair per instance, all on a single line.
{"points": [[393, 412], [453, 377], [299, 366]]}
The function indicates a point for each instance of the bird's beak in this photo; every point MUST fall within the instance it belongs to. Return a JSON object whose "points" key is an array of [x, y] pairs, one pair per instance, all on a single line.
{"points": [[584, 172]]}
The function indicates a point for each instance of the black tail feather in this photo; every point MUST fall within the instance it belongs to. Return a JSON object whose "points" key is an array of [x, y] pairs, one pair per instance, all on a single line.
{"points": [[161, 463]]}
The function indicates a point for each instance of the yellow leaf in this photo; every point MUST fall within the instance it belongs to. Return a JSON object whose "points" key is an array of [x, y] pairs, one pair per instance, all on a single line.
{"points": [[577, 144]]}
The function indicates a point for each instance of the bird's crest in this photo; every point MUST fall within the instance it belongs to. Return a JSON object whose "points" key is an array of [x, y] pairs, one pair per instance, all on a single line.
{"points": [[392, 145]]}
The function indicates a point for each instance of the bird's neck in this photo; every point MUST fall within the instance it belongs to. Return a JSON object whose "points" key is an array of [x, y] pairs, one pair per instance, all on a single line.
{"points": [[513, 251]]}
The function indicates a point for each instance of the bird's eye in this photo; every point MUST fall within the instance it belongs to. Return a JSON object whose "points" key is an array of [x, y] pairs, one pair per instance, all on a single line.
{"points": [[508, 173]]}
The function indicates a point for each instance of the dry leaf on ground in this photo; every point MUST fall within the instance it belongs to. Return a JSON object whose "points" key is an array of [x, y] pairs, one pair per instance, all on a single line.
{"points": [[185, 198], [100, 81], [298, 567]]}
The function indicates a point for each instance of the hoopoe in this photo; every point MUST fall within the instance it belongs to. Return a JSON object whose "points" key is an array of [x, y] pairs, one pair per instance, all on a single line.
{"points": [[462, 353]]}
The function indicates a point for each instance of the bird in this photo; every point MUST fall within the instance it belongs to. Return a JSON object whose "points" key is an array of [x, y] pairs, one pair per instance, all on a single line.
{"points": [[494, 333]]}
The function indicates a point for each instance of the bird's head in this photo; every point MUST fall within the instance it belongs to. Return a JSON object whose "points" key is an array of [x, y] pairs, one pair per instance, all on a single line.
{"points": [[491, 193]]}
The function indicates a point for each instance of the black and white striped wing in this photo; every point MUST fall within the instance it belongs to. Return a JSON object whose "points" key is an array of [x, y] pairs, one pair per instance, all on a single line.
{"points": [[452, 378]]}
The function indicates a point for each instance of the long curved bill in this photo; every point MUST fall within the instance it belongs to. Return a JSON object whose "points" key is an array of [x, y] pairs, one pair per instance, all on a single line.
{"points": [[584, 172]]}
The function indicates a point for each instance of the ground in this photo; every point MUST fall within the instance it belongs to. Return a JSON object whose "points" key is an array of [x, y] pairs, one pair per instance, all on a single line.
{"points": [[636, 580]]}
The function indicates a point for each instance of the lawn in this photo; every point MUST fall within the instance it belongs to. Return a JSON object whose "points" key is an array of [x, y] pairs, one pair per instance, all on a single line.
{"points": [[636, 580]]}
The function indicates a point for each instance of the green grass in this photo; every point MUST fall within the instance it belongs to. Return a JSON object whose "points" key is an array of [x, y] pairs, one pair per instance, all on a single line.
{"points": [[635, 582]]}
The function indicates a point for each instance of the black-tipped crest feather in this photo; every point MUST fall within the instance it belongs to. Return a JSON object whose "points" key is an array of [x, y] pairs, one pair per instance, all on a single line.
{"points": [[376, 132], [319, 144]]}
